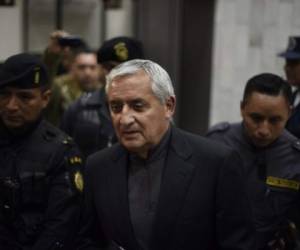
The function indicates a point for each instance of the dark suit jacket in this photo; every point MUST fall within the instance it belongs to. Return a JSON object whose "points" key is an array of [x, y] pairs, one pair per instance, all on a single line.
{"points": [[293, 124], [202, 202]]}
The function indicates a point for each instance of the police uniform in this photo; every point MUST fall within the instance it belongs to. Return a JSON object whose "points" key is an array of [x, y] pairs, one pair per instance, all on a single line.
{"points": [[87, 120], [293, 124], [40, 175], [272, 177], [292, 53]]}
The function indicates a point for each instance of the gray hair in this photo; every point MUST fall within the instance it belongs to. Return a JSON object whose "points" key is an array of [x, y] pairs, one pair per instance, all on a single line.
{"points": [[161, 83]]}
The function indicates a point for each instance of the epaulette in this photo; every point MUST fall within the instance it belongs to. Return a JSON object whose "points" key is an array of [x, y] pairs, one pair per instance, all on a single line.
{"points": [[49, 135], [296, 145], [220, 127], [67, 140]]}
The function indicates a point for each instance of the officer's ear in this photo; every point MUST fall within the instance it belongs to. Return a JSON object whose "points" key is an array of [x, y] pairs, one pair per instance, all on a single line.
{"points": [[290, 110], [242, 104], [46, 95]]}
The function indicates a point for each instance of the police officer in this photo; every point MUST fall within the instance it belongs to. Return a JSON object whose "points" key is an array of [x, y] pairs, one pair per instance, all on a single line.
{"points": [[40, 167], [292, 71], [87, 120], [271, 157]]}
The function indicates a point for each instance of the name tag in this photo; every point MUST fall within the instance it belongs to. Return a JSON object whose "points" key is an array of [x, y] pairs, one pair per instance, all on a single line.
{"points": [[283, 183]]}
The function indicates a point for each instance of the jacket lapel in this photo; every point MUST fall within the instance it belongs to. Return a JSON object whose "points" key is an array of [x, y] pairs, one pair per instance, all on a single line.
{"points": [[119, 202], [175, 182]]}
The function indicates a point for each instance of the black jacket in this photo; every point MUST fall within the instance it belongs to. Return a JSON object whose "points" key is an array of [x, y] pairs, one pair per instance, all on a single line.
{"points": [[87, 120], [293, 124], [273, 178], [202, 203], [40, 183]]}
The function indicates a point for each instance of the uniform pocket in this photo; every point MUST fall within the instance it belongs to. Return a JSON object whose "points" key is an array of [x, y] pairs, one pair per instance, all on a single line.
{"points": [[34, 191]]}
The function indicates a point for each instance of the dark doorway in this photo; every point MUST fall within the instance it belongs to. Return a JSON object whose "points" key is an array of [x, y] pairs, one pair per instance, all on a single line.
{"points": [[178, 34]]}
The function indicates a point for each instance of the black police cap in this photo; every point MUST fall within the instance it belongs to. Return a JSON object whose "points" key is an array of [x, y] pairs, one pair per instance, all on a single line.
{"points": [[72, 41], [120, 49], [23, 71], [293, 49]]}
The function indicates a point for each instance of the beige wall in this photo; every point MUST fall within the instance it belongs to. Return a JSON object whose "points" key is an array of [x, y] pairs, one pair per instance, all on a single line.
{"points": [[10, 29], [248, 34], [81, 17]]}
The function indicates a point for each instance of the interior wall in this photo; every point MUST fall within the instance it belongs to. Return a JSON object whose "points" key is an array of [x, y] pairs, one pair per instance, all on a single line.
{"points": [[247, 37], [11, 30], [80, 17]]}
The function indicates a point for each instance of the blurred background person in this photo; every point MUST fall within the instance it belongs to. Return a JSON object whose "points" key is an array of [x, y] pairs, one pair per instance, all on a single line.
{"points": [[87, 120], [82, 78], [52, 56], [292, 71]]}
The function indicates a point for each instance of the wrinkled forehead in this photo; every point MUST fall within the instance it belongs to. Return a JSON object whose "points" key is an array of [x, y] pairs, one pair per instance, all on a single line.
{"points": [[130, 87]]}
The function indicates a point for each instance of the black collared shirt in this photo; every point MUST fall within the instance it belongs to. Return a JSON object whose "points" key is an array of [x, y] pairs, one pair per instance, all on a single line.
{"points": [[144, 182]]}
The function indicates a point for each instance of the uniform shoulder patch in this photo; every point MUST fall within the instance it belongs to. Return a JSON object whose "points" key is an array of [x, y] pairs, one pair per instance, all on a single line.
{"points": [[78, 181], [296, 145], [67, 140], [220, 127], [49, 135], [75, 160], [74, 166]]}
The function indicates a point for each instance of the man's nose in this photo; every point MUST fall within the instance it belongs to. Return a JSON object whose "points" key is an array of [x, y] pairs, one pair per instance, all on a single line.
{"points": [[127, 116], [264, 129], [12, 103]]}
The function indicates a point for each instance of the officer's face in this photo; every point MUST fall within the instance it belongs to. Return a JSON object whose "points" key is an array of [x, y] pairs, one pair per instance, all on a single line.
{"points": [[85, 70], [292, 71], [20, 107], [264, 117], [139, 118]]}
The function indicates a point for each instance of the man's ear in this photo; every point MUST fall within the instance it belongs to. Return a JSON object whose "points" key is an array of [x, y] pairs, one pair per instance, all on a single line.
{"points": [[170, 106], [242, 106], [290, 110], [46, 95]]}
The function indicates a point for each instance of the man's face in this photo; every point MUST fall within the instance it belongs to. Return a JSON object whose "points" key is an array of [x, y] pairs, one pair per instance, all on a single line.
{"points": [[264, 117], [139, 118], [21, 107], [85, 70], [292, 71]]}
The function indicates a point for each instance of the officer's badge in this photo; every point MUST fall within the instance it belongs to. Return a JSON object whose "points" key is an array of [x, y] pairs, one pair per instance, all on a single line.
{"points": [[37, 75], [121, 51], [78, 180], [75, 159]]}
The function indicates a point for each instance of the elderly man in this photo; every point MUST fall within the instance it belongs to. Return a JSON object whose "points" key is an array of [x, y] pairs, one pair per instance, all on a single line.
{"points": [[271, 157], [40, 180], [160, 188]]}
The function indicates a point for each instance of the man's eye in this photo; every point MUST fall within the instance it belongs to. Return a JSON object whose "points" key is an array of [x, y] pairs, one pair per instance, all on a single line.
{"points": [[116, 107], [25, 97], [275, 120], [3, 94], [138, 106], [256, 118]]}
